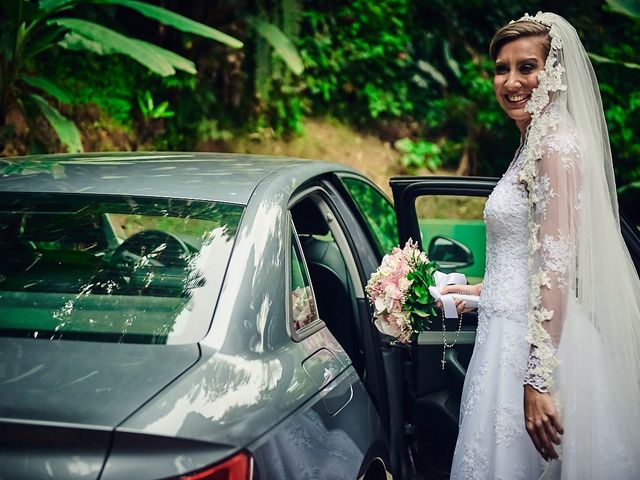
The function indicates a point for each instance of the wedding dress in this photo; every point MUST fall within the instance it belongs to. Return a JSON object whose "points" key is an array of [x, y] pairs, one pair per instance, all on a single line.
{"points": [[493, 442], [560, 303]]}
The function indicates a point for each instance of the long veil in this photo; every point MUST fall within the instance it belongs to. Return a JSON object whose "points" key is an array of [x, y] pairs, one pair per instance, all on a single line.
{"points": [[584, 311]]}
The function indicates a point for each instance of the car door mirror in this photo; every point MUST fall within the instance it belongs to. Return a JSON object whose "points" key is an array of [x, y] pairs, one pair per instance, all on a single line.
{"points": [[450, 254]]}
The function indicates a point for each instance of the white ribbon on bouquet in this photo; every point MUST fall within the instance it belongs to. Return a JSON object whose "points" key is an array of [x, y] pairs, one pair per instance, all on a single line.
{"points": [[448, 300]]}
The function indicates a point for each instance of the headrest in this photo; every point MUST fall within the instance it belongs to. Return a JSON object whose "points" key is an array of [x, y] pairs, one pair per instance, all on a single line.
{"points": [[308, 218]]}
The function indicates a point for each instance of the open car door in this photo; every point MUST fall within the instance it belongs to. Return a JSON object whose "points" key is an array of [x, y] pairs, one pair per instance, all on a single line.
{"points": [[445, 216]]}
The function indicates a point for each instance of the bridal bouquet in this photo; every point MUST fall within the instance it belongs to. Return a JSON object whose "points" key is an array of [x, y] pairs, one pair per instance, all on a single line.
{"points": [[399, 292]]}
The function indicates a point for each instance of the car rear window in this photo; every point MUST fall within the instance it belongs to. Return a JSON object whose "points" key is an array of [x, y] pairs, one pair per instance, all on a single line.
{"points": [[112, 268]]}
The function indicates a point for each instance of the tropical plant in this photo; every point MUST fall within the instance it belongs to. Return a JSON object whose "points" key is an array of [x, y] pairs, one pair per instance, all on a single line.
{"points": [[31, 27], [419, 154], [151, 111]]}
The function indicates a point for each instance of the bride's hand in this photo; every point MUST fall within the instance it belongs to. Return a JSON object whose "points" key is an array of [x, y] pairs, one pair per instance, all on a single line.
{"points": [[461, 307], [466, 289], [542, 421]]}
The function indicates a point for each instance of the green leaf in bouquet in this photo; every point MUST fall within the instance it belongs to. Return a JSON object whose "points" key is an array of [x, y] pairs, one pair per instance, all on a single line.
{"points": [[421, 313]]}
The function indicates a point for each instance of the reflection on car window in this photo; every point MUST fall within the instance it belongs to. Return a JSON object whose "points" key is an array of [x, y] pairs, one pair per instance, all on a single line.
{"points": [[303, 310], [378, 213], [109, 268]]}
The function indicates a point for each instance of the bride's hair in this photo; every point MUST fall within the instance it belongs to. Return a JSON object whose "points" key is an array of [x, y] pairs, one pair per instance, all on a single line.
{"points": [[516, 30]]}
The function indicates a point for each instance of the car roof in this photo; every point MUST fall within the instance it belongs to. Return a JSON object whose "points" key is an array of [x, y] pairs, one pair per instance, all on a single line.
{"points": [[209, 176]]}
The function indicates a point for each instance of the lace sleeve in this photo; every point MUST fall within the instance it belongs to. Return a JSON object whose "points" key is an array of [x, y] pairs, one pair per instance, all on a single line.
{"points": [[553, 244]]}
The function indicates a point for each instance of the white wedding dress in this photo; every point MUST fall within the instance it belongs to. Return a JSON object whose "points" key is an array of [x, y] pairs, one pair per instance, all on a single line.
{"points": [[560, 302], [492, 442]]}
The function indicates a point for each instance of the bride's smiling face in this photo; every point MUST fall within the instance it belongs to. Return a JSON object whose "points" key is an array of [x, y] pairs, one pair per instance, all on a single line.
{"points": [[518, 64]]}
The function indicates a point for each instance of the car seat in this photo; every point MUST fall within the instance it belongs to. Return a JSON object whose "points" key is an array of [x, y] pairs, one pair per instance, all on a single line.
{"points": [[329, 276]]}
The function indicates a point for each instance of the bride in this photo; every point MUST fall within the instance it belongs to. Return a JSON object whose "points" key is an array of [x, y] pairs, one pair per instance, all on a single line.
{"points": [[557, 347]]}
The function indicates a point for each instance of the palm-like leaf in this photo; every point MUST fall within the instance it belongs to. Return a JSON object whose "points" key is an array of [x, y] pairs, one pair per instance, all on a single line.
{"points": [[630, 8], [47, 87], [52, 5], [156, 59], [64, 128], [600, 59], [177, 21], [280, 43]]}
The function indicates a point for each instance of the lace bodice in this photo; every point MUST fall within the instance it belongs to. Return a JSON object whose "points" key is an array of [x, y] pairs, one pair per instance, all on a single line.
{"points": [[505, 215]]}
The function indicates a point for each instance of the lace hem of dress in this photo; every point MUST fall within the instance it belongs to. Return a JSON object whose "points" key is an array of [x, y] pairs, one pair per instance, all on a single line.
{"points": [[534, 377]]}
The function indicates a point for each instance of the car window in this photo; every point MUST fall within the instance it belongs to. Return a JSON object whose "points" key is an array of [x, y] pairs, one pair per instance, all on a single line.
{"points": [[111, 268], [453, 232], [377, 211], [332, 269], [302, 306]]}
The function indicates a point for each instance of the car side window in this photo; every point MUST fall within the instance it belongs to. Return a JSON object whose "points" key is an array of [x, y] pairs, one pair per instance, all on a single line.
{"points": [[453, 233], [332, 269], [302, 306], [378, 213]]}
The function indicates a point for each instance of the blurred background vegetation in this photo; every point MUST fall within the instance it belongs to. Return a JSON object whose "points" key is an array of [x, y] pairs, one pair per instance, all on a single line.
{"points": [[388, 86]]}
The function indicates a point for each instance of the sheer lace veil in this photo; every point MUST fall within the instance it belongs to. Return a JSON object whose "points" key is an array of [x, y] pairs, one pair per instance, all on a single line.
{"points": [[597, 336]]}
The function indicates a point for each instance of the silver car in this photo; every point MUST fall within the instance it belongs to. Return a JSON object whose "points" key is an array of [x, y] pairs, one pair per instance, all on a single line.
{"points": [[203, 316]]}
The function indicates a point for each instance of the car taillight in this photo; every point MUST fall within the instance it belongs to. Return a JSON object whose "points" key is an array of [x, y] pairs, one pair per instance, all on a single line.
{"points": [[238, 467]]}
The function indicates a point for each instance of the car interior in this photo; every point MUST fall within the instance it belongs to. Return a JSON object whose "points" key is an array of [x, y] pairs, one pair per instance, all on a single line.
{"points": [[330, 277], [432, 399]]}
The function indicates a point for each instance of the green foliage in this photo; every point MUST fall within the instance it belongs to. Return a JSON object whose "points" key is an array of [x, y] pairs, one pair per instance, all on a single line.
{"points": [[282, 44], [31, 28], [65, 128], [179, 22], [419, 154], [626, 7], [357, 56], [151, 111]]}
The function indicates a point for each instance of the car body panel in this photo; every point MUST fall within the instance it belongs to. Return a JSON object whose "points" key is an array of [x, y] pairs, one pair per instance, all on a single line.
{"points": [[251, 370], [60, 401], [248, 384], [89, 384], [33, 451], [172, 175]]}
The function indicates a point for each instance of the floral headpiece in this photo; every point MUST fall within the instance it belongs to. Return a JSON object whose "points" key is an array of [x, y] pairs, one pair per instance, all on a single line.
{"points": [[538, 17]]}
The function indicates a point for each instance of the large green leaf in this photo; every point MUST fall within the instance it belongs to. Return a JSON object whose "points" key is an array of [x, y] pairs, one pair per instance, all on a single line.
{"points": [[156, 59], [47, 87], [52, 5], [64, 128], [600, 59], [280, 43], [76, 42], [627, 7], [178, 61], [45, 39], [177, 21]]}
